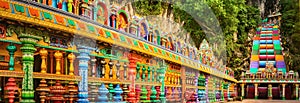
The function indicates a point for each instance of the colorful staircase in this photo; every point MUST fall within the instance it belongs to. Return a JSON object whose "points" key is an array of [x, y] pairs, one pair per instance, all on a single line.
{"points": [[267, 49]]}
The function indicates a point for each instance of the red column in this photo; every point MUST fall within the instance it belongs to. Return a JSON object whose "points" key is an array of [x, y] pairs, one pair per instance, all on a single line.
{"points": [[131, 74]]}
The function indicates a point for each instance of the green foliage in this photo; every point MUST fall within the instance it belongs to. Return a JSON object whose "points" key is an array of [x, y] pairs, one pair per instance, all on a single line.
{"points": [[148, 7], [233, 16], [290, 32]]}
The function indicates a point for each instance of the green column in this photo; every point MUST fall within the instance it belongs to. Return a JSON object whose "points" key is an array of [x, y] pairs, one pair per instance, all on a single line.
{"points": [[162, 72], [28, 41], [11, 48]]}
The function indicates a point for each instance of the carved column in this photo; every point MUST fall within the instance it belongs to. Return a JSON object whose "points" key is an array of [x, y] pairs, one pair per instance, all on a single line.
{"points": [[283, 91], [11, 48], [83, 72], [162, 72], [11, 86], [131, 74], [270, 91], [297, 91], [243, 92], [93, 86], [71, 58], [43, 53], [256, 91], [58, 55], [28, 41], [43, 90]]}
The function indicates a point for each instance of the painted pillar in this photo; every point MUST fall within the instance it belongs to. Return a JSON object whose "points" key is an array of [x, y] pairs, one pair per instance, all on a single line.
{"points": [[270, 91], [28, 41], [132, 75], [297, 91], [222, 91], [242, 87], [83, 72], [196, 84], [283, 91], [162, 71], [11, 85], [11, 48], [256, 91], [228, 92]]}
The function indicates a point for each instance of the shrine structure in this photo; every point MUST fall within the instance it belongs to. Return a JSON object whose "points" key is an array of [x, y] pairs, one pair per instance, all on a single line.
{"points": [[67, 51], [268, 76]]}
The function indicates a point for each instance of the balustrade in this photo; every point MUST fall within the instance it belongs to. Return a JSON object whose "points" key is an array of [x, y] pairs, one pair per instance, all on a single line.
{"points": [[71, 70]]}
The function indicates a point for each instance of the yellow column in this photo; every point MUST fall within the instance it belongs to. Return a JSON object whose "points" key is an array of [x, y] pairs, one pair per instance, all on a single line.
{"points": [[43, 53], [58, 56], [256, 91], [71, 58], [242, 87], [283, 91], [297, 91]]}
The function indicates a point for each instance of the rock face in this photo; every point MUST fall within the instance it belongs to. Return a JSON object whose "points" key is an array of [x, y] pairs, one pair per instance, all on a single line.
{"points": [[266, 7]]}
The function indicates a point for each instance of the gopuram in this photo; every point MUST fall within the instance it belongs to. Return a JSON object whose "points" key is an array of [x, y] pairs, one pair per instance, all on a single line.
{"points": [[267, 76]]}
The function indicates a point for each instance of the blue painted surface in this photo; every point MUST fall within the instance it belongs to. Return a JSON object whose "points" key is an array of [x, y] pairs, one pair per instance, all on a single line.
{"points": [[118, 92], [255, 41], [83, 72], [276, 42], [263, 63]]}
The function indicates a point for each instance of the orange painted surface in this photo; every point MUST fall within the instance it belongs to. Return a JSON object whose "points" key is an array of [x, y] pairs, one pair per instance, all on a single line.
{"points": [[59, 19], [279, 58], [254, 58], [141, 44], [34, 12], [266, 46], [4, 4], [129, 41], [81, 25], [101, 32], [255, 38], [275, 37], [116, 36]]}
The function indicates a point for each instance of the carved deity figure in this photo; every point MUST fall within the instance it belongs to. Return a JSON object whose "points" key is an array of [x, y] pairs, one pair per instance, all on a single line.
{"points": [[269, 67], [132, 30], [280, 74], [248, 74], [291, 74], [101, 15], [191, 53], [122, 23], [143, 32], [154, 38], [258, 74], [274, 72]]}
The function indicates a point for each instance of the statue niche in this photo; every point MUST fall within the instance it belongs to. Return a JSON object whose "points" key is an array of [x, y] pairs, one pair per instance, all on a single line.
{"points": [[113, 21], [143, 31], [122, 22], [101, 13], [269, 68]]}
